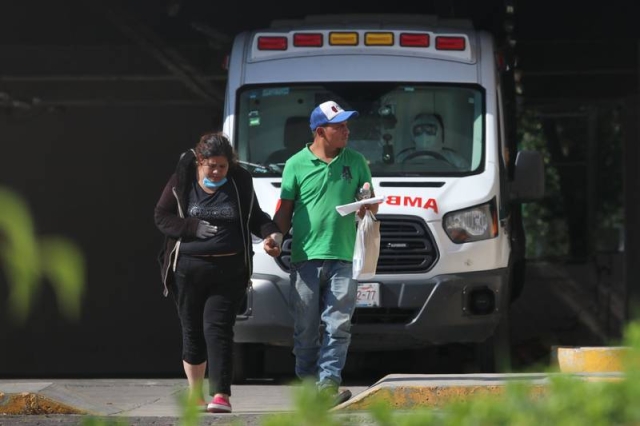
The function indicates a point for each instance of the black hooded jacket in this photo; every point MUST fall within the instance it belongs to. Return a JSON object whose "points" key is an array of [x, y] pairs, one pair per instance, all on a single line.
{"points": [[170, 220]]}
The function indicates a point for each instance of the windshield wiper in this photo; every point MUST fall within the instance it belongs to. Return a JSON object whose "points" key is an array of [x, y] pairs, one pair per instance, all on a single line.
{"points": [[260, 168]]}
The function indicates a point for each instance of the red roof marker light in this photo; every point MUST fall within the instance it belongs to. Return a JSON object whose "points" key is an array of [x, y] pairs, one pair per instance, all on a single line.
{"points": [[307, 39], [450, 43], [414, 40], [272, 43]]}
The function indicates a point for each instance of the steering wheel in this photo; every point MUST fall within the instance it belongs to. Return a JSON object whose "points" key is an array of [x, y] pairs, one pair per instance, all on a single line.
{"points": [[402, 151], [427, 153]]}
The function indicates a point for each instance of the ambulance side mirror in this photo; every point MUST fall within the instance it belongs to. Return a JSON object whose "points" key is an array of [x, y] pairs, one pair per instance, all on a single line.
{"points": [[528, 179]]}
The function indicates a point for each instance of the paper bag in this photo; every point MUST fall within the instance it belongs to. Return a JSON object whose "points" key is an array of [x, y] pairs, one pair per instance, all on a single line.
{"points": [[367, 247]]}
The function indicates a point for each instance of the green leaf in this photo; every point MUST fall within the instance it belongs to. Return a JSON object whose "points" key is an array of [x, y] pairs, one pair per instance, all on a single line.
{"points": [[63, 264], [18, 253]]}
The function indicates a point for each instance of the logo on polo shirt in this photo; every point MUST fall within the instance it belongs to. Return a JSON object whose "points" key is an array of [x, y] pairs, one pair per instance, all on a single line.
{"points": [[346, 173]]}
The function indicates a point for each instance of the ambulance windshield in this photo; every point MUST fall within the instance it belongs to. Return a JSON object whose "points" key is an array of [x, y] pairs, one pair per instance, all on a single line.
{"points": [[402, 129]]}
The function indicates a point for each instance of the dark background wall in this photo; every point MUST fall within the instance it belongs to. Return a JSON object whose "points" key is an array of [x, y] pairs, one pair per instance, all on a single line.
{"points": [[93, 175], [98, 99]]}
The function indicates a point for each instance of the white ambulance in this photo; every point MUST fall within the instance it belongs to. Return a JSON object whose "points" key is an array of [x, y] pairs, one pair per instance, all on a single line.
{"points": [[431, 123]]}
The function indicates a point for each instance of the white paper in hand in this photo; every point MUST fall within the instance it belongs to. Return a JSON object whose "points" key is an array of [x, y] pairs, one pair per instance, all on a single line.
{"points": [[345, 209]]}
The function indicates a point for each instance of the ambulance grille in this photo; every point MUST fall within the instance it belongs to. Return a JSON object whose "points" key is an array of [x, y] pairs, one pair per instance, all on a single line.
{"points": [[406, 246]]}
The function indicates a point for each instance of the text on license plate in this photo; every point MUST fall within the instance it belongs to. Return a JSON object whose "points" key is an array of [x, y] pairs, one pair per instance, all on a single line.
{"points": [[368, 295]]}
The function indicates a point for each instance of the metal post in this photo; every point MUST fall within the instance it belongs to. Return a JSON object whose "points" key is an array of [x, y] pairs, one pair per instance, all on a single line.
{"points": [[631, 152], [591, 177]]}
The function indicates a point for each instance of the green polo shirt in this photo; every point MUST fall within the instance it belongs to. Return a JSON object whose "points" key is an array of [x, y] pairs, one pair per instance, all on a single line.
{"points": [[319, 232]]}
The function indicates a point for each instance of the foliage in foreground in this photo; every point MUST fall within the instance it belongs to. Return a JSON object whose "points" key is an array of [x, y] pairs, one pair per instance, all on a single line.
{"points": [[28, 258]]}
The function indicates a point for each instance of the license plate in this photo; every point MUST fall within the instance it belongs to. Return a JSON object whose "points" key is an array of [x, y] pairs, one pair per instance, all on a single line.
{"points": [[368, 295]]}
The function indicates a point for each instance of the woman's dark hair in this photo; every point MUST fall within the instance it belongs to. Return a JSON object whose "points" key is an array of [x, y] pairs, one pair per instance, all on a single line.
{"points": [[216, 144]]}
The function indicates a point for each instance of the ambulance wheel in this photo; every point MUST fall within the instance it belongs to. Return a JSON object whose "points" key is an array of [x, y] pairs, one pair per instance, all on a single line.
{"points": [[248, 362], [494, 354]]}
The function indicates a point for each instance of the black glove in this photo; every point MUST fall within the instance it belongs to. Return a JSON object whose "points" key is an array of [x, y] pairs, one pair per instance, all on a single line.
{"points": [[205, 230]]}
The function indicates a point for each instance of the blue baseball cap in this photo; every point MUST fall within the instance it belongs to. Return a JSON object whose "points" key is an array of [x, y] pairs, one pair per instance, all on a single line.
{"points": [[329, 113]]}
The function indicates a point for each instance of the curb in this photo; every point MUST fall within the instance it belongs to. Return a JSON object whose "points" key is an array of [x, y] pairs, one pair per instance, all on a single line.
{"points": [[414, 391], [406, 392], [30, 403], [42, 398], [594, 359]]}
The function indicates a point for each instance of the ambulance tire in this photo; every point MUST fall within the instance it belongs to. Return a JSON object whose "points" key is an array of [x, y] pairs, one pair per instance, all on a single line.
{"points": [[248, 362], [494, 354], [517, 279]]}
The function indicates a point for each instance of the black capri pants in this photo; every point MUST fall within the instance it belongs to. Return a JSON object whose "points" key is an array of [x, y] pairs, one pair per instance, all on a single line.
{"points": [[208, 291]]}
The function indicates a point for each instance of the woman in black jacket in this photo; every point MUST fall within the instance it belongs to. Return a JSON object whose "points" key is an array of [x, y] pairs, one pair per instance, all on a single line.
{"points": [[207, 212]]}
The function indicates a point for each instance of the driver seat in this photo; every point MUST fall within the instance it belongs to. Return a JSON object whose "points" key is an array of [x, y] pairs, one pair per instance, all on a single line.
{"points": [[296, 135]]}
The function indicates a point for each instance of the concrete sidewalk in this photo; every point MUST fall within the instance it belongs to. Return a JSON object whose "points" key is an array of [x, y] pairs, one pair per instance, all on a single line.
{"points": [[129, 397]]}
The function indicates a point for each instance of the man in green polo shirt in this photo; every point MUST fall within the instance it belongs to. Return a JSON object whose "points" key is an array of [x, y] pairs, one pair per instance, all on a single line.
{"points": [[318, 178]]}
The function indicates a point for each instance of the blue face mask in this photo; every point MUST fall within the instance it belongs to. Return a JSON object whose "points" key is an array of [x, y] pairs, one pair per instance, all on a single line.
{"points": [[213, 185]]}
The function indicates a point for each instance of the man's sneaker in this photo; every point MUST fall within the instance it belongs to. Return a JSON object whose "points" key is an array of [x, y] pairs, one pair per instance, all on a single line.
{"points": [[219, 405], [336, 395], [342, 396]]}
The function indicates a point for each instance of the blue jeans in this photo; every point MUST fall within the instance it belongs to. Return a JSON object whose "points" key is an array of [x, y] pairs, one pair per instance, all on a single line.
{"points": [[322, 292]]}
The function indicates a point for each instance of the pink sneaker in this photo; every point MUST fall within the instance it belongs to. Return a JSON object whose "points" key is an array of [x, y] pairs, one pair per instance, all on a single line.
{"points": [[219, 405]]}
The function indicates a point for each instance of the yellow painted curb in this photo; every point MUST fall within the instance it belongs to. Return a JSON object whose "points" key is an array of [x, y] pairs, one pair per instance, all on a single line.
{"points": [[594, 359], [412, 397], [30, 403], [407, 392]]}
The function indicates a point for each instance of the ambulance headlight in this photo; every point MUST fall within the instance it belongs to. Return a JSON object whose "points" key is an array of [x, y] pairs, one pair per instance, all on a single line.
{"points": [[472, 224]]}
